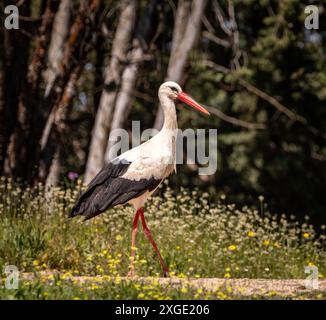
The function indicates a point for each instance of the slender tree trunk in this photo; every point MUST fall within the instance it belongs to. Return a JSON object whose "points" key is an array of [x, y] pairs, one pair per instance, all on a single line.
{"points": [[185, 35], [55, 168], [14, 59], [59, 34], [58, 77], [146, 30], [180, 23], [22, 148], [76, 49], [98, 70], [78, 46], [113, 72], [125, 97], [49, 166]]}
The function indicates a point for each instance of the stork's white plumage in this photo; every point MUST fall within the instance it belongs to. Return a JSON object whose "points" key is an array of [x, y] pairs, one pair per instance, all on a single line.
{"points": [[134, 175]]}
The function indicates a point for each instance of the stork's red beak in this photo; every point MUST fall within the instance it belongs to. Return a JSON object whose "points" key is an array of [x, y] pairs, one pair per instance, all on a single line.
{"points": [[191, 102]]}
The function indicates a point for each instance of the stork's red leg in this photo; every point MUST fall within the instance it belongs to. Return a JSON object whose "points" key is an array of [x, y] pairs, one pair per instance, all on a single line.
{"points": [[131, 272], [150, 238]]}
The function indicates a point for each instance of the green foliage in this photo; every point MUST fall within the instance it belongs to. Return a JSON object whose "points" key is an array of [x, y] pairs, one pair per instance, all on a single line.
{"points": [[285, 161]]}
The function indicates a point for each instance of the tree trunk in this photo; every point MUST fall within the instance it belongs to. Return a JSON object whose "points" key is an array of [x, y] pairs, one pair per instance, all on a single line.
{"points": [[59, 34], [185, 34], [125, 97], [180, 24], [98, 69], [23, 143], [75, 52], [49, 166], [113, 72], [54, 171], [14, 59], [146, 31]]}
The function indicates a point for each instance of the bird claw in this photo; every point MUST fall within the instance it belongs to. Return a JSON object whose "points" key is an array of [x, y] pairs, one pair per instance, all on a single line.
{"points": [[166, 274], [130, 275]]}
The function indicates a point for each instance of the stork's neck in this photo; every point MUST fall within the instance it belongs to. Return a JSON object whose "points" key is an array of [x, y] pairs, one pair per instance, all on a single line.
{"points": [[170, 115]]}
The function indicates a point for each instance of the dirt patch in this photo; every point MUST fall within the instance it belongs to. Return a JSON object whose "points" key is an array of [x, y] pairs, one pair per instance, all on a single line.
{"points": [[243, 287]]}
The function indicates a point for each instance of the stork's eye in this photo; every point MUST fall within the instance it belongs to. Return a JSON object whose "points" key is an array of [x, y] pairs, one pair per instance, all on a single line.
{"points": [[174, 89]]}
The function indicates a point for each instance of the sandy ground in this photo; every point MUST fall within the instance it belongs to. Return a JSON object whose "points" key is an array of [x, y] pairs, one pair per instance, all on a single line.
{"points": [[242, 287]]}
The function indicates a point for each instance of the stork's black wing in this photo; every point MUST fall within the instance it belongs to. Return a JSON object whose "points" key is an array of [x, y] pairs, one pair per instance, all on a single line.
{"points": [[109, 189]]}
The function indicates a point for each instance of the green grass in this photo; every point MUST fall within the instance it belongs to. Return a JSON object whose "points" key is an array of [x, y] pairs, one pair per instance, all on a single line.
{"points": [[195, 237]]}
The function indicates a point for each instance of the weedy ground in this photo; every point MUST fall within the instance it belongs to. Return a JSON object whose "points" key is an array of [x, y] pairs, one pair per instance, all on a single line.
{"points": [[197, 238]]}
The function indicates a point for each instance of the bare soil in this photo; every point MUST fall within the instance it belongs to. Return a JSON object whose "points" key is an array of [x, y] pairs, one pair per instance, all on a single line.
{"points": [[290, 288]]}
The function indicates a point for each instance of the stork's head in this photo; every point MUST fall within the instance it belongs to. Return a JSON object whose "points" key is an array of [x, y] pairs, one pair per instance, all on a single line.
{"points": [[173, 91]]}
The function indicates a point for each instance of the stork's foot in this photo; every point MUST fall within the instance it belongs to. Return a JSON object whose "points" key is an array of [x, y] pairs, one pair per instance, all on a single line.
{"points": [[166, 273], [131, 273]]}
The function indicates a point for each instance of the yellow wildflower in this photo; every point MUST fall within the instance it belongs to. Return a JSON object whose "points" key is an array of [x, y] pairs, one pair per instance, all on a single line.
{"points": [[232, 247], [266, 243], [251, 234]]}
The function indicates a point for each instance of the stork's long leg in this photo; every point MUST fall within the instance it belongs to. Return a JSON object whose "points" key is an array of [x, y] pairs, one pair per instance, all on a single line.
{"points": [[131, 272], [150, 238]]}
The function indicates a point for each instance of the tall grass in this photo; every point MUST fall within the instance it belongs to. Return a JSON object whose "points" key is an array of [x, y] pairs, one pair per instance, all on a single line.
{"points": [[196, 238]]}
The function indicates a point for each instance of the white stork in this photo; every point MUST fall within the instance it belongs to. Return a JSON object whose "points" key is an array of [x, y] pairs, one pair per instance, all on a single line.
{"points": [[134, 175]]}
